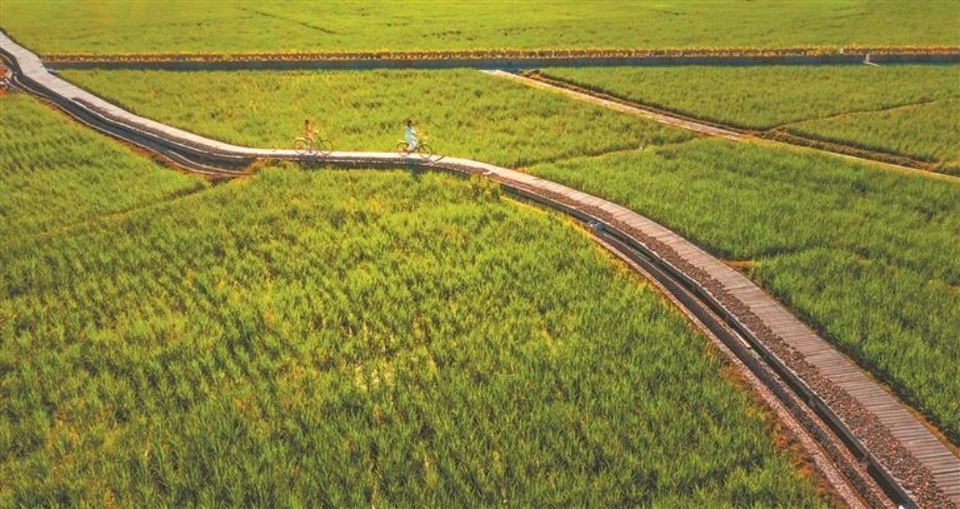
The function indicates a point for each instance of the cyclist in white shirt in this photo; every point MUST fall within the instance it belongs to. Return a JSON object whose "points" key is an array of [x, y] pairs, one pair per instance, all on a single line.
{"points": [[410, 136]]}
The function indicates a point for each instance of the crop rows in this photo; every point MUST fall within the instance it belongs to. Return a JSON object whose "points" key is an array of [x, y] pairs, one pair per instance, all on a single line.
{"points": [[865, 256], [357, 338], [910, 110], [214, 26]]}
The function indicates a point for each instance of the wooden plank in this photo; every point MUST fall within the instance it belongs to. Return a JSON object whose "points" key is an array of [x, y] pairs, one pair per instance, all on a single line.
{"points": [[930, 452]]}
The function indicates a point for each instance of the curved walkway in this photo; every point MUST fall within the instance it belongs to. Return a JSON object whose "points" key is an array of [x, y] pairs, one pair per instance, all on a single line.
{"points": [[885, 431]]}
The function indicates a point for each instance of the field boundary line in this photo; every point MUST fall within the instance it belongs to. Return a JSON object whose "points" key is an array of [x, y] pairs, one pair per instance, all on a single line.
{"points": [[842, 114], [509, 59], [107, 217]]}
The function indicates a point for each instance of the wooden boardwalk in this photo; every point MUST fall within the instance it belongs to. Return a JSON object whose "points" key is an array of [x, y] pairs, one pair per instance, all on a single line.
{"points": [[887, 430]]}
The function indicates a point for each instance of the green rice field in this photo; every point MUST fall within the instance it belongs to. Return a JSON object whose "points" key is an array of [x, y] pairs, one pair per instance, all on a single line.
{"points": [[741, 203], [462, 112], [866, 256], [218, 26], [343, 338], [312, 336], [910, 110], [70, 175]]}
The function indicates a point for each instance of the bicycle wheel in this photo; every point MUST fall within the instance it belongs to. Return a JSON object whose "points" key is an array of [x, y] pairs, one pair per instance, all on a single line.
{"points": [[324, 147], [402, 148], [301, 146], [425, 151]]}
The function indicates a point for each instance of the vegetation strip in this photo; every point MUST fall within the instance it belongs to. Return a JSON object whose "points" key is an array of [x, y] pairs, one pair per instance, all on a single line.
{"points": [[502, 59], [761, 54]]}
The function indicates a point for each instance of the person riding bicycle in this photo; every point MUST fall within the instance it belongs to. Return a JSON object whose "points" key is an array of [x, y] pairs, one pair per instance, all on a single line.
{"points": [[410, 136], [309, 131]]}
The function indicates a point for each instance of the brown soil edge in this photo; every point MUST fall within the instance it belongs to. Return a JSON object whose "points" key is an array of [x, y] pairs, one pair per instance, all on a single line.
{"points": [[600, 93], [777, 134], [482, 54]]}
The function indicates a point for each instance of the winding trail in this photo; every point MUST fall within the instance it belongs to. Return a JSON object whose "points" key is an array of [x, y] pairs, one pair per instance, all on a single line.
{"points": [[902, 455]]}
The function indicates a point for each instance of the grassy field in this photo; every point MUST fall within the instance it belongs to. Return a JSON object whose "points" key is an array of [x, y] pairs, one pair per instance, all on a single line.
{"points": [[907, 223], [140, 26], [926, 131], [910, 110], [69, 175], [463, 112], [866, 256], [351, 339]]}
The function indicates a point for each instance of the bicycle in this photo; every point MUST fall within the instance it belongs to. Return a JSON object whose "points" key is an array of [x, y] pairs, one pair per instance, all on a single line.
{"points": [[317, 147], [422, 149]]}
